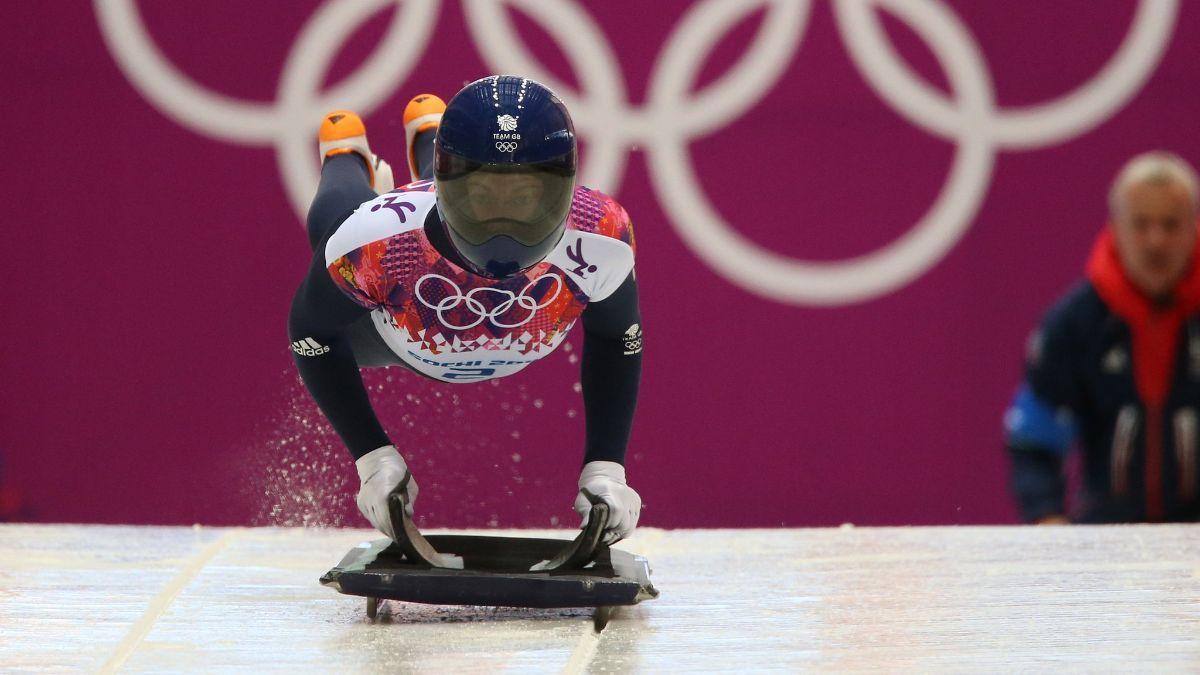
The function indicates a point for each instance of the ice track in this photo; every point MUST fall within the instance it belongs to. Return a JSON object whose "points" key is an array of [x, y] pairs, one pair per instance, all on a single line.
{"points": [[154, 599]]}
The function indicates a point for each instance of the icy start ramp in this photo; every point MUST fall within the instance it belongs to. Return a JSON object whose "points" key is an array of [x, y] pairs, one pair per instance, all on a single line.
{"points": [[160, 599]]}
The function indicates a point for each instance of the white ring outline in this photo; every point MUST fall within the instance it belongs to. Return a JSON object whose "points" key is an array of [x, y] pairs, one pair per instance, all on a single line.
{"points": [[663, 126], [290, 123], [1024, 127], [816, 283]]}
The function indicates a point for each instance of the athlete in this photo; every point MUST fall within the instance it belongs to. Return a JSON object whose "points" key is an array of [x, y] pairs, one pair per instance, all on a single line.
{"points": [[475, 270]]}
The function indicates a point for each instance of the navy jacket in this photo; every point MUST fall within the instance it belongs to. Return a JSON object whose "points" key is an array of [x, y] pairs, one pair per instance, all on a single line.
{"points": [[1120, 378]]}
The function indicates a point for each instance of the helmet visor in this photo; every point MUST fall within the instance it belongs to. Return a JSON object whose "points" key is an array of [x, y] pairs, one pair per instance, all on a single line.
{"points": [[525, 202]]}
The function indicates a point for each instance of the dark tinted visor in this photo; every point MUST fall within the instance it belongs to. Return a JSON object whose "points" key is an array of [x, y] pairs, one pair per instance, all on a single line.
{"points": [[525, 202]]}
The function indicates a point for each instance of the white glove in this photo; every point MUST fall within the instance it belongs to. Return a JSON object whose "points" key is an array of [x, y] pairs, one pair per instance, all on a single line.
{"points": [[606, 480], [379, 472]]}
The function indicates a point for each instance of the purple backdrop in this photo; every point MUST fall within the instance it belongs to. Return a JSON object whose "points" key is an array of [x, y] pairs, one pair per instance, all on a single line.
{"points": [[153, 248]]}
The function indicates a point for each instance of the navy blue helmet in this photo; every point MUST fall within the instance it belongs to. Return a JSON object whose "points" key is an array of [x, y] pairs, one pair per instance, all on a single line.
{"points": [[505, 173]]}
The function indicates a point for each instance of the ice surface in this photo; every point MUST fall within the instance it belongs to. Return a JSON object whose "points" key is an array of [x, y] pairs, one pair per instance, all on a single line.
{"points": [[155, 599]]}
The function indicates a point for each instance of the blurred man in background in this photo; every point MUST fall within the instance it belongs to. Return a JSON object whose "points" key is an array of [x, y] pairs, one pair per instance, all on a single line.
{"points": [[1115, 365]]}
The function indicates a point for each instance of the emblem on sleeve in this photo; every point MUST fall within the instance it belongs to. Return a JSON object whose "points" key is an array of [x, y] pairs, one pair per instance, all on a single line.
{"points": [[583, 267], [309, 347], [633, 340]]}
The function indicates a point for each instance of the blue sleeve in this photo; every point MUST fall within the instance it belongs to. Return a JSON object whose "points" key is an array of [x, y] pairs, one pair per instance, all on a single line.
{"points": [[1040, 423], [1039, 438], [1034, 422]]}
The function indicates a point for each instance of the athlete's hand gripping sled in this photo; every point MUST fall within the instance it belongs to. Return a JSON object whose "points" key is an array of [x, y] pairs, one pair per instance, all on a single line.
{"points": [[415, 546], [495, 571]]}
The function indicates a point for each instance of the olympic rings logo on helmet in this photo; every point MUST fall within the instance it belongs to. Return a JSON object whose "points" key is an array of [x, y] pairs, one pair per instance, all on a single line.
{"points": [[455, 299], [506, 146], [675, 111]]}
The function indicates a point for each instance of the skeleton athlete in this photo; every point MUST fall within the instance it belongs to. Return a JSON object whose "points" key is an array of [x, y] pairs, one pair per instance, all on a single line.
{"points": [[475, 270]]}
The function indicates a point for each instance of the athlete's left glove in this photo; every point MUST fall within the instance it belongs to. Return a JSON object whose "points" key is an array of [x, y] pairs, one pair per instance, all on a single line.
{"points": [[606, 480], [379, 472]]}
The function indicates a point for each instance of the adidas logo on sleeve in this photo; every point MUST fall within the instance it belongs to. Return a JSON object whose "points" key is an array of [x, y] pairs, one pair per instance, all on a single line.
{"points": [[308, 347]]}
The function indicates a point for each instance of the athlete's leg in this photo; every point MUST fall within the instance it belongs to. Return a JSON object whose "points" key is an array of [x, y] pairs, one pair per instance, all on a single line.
{"points": [[422, 116], [423, 153], [350, 173], [345, 183]]}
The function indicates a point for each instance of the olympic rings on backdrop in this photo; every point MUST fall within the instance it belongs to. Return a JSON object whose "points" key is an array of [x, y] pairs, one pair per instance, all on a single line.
{"points": [[674, 114]]}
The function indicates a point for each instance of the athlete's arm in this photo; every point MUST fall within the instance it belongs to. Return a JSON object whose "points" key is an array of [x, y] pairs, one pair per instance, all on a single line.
{"points": [[321, 313], [610, 371]]}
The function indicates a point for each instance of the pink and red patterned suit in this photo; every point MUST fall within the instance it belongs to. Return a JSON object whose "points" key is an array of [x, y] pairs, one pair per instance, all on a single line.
{"points": [[455, 326]]}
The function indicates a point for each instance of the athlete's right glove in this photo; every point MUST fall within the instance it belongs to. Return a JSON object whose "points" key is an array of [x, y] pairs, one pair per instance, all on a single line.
{"points": [[379, 472], [606, 480]]}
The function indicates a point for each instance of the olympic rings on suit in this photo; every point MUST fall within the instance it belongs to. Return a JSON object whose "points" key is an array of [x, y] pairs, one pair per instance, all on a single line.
{"points": [[455, 299]]}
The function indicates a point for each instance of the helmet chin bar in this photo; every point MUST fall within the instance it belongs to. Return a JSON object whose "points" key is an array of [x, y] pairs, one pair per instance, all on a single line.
{"points": [[502, 256], [501, 270]]}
